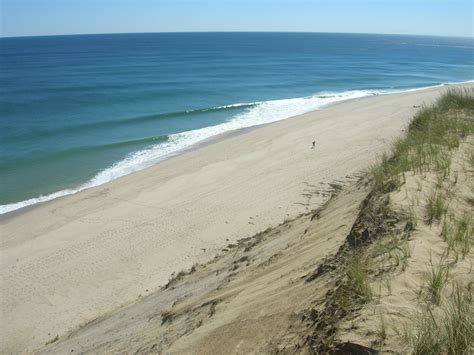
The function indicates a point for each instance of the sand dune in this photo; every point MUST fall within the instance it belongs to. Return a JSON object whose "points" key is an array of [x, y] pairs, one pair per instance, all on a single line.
{"points": [[73, 259], [285, 290]]}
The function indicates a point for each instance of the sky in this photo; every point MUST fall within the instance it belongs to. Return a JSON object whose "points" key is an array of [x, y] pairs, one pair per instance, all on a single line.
{"points": [[54, 17]]}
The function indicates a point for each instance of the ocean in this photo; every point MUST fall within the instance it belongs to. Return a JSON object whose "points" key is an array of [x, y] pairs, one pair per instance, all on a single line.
{"points": [[79, 111]]}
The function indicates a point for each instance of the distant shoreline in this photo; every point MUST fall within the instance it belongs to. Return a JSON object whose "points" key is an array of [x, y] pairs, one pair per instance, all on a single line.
{"points": [[186, 32]]}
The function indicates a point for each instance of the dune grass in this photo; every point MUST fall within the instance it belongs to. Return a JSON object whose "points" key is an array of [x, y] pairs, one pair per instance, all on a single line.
{"points": [[458, 322], [448, 329], [358, 279], [436, 207], [458, 234], [436, 280], [471, 159], [463, 235], [433, 132], [446, 325], [390, 253]]}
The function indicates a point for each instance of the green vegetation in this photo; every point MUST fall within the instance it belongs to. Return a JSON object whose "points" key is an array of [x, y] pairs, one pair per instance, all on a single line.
{"points": [[450, 330], [458, 321], [433, 132], [456, 100], [445, 325], [358, 279], [425, 337], [458, 235], [462, 237], [390, 253], [436, 207], [471, 159], [437, 279]]}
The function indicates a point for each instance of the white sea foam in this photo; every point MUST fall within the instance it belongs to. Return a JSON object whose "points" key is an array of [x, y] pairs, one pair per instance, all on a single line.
{"points": [[261, 113], [257, 113]]}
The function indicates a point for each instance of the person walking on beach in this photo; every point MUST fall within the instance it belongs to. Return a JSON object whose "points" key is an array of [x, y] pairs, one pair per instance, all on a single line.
{"points": [[314, 145]]}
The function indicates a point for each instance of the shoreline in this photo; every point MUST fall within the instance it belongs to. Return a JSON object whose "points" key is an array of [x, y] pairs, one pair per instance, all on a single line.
{"points": [[210, 140], [77, 257]]}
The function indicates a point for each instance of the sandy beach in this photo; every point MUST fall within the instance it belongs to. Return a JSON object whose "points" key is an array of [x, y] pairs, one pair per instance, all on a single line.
{"points": [[70, 260]]}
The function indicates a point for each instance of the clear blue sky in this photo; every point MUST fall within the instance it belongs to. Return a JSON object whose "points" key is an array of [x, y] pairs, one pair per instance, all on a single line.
{"points": [[50, 17]]}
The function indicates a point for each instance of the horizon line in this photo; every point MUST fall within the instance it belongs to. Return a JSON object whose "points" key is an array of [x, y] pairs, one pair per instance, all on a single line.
{"points": [[188, 32]]}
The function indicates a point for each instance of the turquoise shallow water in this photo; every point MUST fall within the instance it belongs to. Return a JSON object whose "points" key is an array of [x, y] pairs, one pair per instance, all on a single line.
{"points": [[78, 111]]}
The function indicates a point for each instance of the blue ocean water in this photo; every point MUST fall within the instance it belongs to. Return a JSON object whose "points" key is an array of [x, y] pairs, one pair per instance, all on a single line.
{"points": [[78, 111]]}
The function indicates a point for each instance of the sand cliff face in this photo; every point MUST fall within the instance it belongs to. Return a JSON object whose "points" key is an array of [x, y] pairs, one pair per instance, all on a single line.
{"points": [[85, 259]]}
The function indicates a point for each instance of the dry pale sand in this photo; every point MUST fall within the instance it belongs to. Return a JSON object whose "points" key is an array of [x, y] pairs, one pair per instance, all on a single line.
{"points": [[246, 301], [68, 261]]}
